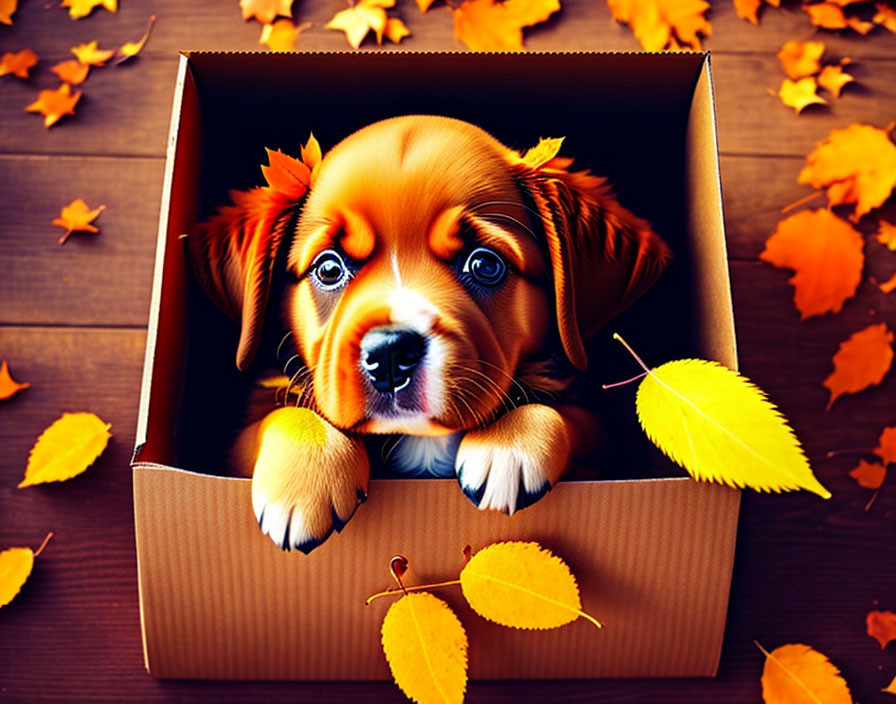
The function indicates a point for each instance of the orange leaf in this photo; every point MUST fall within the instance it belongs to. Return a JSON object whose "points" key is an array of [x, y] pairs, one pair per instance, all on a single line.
{"points": [[424, 4], [9, 387], [71, 71], [286, 176], [886, 445], [53, 104], [82, 8], [826, 15], [889, 285], [282, 35], [886, 235], [17, 64], [8, 9], [801, 59], [826, 254], [266, 10], [66, 449], [396, 30], [832, 79], [664, 24], [862, 361], [859, 25], [485, 25], [885, 17], [881, 626], [869, 475], [89, 54], [856, 164], [131, 49], [311, 153], [800, 94], [358, 20], [77, 216], [796, 673]]}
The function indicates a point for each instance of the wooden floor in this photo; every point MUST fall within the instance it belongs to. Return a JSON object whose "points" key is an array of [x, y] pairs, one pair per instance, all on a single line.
{"points": [[73, 321]]}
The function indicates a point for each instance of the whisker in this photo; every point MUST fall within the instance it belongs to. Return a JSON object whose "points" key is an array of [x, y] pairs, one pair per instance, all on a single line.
{"points": [[512, 219], [280, 346], [512, 380]]}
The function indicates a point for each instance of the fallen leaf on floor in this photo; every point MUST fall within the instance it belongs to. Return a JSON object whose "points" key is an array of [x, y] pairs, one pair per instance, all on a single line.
{"points": [[856, 164], [885, 17], [18, 63], [485, 25], [424, 5], [890, 688], [282, 35], [800, 94], [8, 9], [88, 53], [82, 8], [869, 475], [881, 626], [9, 387], [266, 10], [749, 9], [833, 78], [131, 49], [797, 673], [825, 252], [889, 285], [53, 104], [800, 59], [521, 585], [859, 25], [886, 445], [71, 71], [886, 235], [361, 18], [862, 361], [664, 24], [15, 568], [827, 15], [66, 448], [76, 217], [426, 648]]}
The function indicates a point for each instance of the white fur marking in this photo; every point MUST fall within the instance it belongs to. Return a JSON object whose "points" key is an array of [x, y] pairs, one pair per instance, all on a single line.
{"points": [[395, 269], [426, 455], [409, 308]]}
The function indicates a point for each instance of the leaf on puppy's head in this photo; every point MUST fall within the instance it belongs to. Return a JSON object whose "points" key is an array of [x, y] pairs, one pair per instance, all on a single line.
{"points": [[546, 149]]}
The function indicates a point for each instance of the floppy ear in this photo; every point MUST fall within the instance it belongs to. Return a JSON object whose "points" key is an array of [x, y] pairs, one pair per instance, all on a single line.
{"points": [[602, 256], [233, 253]]}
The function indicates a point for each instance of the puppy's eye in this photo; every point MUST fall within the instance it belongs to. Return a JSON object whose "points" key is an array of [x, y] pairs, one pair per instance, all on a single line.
{"points": [[485, 267], [329, 270]]}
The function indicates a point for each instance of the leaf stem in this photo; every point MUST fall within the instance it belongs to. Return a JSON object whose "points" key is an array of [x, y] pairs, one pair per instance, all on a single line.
{"points": [[43, 544], [405, 590], [623, 383], [801, 201], [618, 337]]}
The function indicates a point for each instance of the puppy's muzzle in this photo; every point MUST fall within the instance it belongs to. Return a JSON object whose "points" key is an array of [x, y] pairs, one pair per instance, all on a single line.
{"points": [[390, 355]]}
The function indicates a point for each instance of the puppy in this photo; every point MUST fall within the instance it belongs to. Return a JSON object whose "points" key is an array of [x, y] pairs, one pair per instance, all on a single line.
{"points": [[435, 277]]}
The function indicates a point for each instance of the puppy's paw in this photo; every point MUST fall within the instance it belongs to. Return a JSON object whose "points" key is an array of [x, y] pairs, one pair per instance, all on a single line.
{"points": [[309, 478], [514, 462]]}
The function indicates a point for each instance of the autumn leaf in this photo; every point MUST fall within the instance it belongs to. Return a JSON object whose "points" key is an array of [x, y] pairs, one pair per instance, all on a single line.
{"points": [[282, 35], [885, 17], [9, 387], [862, 361], [426, 648], [827, 15], [797, 673], [832, 79], [77, 216], [71, 71], [749, 9], [664, 24], [543, 152], [311, 154], [856, 164], [889, 285], [881, 626], [424, 5], [826, 254], [82, 8], [131, 49], [8, 9], [800, 59], [485, 25], [800, 94], [286, 176], [521, 585], [65, 449], [53, 104], [886, 445], [266, 10], [886, 235], [88, 53], [869, 475], [364, 16], [15, 568], [18, 64]]}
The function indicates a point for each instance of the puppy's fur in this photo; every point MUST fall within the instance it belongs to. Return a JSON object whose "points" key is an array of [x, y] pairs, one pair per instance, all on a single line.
{"points": [[429, 269]]}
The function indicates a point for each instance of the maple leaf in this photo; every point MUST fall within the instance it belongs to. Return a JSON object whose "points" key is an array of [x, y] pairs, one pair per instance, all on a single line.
{"points": [[800, 94], [82, 8], [485, 25], [282, 34], [886, 235], [862, 361], [886, 445], [9, 387], [881, 626], [266, 10], [885, 17], [856, 164], [15, 568], [71, 71], [889, 285], [8, 9], [869, 475], [66, 448], [18, 64], [827, 15], [89, 54], [664, 24], [76, 216], [358, 20], [396, 30], [53, 104], [310, 153], [130, 49], [749, 9], [825, 252], [801, 59], [794, 671], [832, 79]]}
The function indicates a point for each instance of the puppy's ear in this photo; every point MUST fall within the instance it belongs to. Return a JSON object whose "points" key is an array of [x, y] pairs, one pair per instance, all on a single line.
{"points": [[233, 253], [602, 256]]}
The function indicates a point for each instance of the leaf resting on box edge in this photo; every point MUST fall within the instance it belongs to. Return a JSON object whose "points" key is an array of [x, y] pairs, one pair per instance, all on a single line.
{"points": [[65, 449]]}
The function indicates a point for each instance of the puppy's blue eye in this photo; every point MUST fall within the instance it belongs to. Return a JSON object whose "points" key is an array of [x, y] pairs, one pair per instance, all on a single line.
{"points": [[485, 267], [329, 270]]}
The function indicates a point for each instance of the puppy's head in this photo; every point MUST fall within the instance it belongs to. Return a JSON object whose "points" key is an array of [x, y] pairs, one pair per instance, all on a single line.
{"points": [[429, 261]]}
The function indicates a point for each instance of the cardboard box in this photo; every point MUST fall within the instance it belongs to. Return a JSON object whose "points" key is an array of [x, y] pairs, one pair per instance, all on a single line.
{"points": [[653, 554]]}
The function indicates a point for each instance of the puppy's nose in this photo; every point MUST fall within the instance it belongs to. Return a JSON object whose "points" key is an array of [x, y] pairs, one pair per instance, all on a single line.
{"points": [[389, 357]]}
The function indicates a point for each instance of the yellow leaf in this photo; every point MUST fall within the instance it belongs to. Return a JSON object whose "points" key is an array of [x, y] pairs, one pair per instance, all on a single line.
{"points": [[832, 79], [890, 688], [311, 155], [521, 585], [359, 19], [282, 34], [15, 568], [426, 647], [131, 49], [801, 59], [66, 448], [82, 8], [720, 427], [800, 94], [543, 152], [485, 25], [796, 673]]}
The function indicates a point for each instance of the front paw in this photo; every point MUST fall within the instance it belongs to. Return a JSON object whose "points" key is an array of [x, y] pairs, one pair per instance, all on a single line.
{"points": [[515, 461], [309, 478]]}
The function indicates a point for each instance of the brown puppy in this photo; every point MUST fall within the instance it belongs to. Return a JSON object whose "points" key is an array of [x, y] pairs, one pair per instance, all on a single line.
{"points": [[430, 268]]}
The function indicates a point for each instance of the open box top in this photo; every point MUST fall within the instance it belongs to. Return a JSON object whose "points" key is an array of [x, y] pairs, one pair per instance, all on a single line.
{"points": [[653, 556]]}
